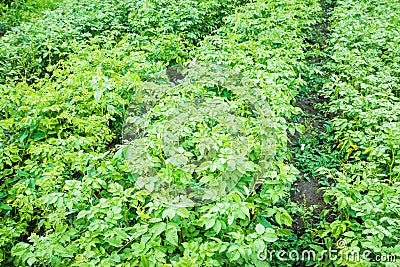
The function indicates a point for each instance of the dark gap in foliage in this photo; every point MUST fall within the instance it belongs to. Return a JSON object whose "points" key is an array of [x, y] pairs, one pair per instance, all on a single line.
{"points": [[315, 147]]}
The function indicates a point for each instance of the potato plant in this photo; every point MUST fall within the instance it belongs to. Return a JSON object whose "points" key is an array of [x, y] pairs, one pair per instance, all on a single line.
{"points": [[74, 74], [364, 88], [69, 197]]}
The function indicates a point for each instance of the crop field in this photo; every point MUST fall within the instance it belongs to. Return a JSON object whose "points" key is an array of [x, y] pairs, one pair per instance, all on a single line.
{"points": [[147, 133]]}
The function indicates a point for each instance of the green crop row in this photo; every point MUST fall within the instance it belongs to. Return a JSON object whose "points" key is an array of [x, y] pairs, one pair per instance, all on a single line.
{"points": [[13, 13], [29, 51], [68, 199], [365, 91]]}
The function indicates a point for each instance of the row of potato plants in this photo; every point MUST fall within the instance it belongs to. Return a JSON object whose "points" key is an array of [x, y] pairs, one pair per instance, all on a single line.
{"points": [[31, 50], [68, 199], [13, 13], [364, 88]]}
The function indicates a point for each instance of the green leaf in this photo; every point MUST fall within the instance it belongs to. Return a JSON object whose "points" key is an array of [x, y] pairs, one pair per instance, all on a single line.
{"points": [[114, 241], [260, 229], [283, 218], [231, 218], [31, 261], [24, 135], [5, 206], [38, 135], [269, 235], [115, 257], [217, 226], [170, 213], [209, 223], [158, 228], [172, 235], [97, 95]]}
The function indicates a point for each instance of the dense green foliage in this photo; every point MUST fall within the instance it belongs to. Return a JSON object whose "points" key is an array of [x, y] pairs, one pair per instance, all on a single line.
{"points": [[28, 52], [68, 199], [69, 73], [13, 13], [199, 137], [365, 91]]}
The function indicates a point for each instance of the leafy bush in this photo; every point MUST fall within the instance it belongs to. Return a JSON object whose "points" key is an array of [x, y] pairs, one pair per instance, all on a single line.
{"points": [[13, 13], [364, 89], [28, 52], [70, 198]]}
